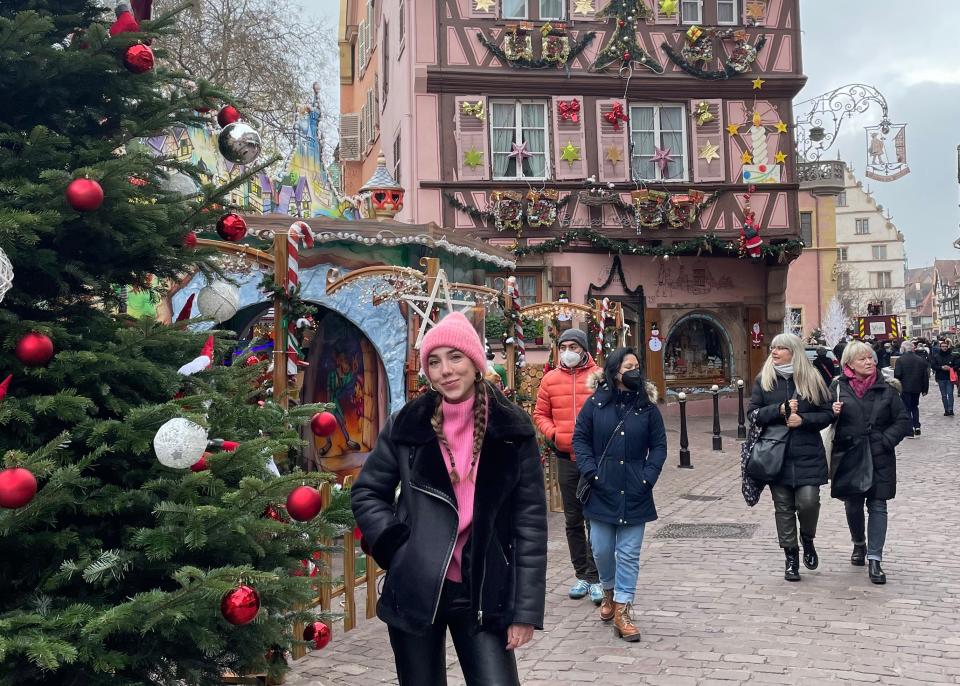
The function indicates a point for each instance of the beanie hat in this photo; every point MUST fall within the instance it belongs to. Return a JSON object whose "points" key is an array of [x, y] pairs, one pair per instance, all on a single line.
{"points": [[576, 336], [454, 331]]}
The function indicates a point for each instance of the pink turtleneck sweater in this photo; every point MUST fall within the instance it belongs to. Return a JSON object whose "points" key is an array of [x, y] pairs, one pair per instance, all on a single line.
{"points": [[458, 428]]}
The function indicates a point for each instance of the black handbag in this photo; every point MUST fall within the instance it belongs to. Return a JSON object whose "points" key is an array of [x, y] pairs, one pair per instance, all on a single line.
{"points": [[585, 484], [768, 453], [853, 474]]}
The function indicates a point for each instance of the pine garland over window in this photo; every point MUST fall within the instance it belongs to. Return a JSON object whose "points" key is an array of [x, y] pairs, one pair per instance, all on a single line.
{"points": [[577, 47]]}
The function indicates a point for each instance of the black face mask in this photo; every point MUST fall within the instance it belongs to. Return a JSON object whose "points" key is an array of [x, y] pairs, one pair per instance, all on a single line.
{"points": [[632, 380]]}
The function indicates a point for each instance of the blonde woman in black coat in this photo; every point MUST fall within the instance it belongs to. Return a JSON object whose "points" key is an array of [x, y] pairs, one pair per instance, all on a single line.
{"points": [[790, 391]]}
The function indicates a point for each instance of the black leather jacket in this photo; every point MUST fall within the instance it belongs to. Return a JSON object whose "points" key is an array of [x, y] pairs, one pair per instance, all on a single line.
{"points": [[412, 533]]}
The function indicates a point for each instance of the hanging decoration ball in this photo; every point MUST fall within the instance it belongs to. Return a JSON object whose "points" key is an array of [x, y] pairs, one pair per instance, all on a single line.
{"points": [[180, 443], [239, 143], [240, 606], [17, 487], [304, 503], [219, 300], [84, 195], [318, 633], [626, 56], [178, 182], [138, 58], [190, 240], [34, 349], [201, 464], [323, 424], [227, 115], [231, 227], [6, 274], [253, 361]]}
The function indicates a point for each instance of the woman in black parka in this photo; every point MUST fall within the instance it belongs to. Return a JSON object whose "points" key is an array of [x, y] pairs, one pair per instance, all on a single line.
{"points": [[865, 395], [790, 391]]}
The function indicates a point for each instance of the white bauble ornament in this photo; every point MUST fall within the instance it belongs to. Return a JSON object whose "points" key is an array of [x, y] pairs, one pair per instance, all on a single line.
{"points": [[219, 301], [180, 443], [6, 274]]}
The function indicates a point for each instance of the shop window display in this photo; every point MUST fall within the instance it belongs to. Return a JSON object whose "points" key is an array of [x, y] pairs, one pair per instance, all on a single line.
{"points": [[696, 354]]}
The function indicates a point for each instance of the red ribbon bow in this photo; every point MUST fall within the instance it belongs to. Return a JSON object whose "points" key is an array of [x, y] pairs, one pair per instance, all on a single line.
{"points": [[616, 115], [569, 110]]}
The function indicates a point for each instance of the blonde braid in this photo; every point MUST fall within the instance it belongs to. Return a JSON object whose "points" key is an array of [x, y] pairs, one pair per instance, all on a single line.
{"points": [[436, 421], [479, 422]]}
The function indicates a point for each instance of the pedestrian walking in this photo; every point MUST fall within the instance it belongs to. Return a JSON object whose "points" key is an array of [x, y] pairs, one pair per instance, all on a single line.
{"points": [[884, 353], [945, 367], [824, 365], [464, 540], [913, 373], [621, 445], [563, 391], [789, 392], [871, 422]]}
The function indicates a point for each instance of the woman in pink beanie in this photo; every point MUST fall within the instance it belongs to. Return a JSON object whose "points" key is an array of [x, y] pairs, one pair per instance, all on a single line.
{"points": [[464, 542]]}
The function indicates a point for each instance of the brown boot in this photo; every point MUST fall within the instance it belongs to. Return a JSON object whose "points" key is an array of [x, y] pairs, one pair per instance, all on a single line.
{"points": [[606, 606], [623, 625]]}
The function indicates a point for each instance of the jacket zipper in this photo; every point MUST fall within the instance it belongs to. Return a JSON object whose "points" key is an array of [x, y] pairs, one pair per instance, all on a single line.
{"points": [[453, 543]]}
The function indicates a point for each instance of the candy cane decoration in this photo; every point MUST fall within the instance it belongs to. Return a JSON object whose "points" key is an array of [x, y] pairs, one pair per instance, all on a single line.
{"points": [[604, 310], [299, 231], [517, 326]]}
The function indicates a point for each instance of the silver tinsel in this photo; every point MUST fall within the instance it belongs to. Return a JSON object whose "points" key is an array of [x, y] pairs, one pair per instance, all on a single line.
{"points": [[239, 143]]}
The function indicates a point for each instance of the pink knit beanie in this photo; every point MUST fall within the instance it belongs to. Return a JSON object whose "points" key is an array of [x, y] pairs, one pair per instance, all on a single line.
{"points": [[454, 331]]}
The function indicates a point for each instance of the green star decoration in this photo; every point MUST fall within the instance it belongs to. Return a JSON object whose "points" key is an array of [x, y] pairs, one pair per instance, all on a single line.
{"points": [[473, 157], [571, 153], [668, 7]]}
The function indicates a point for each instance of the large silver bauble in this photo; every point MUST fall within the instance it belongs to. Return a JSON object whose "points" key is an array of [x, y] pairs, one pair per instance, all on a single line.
{"points": [[180, 443], [239, 143], [220, 300]]}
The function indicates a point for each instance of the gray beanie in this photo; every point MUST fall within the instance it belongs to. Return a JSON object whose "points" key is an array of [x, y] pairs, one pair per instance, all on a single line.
{"points": [[576, 336]]}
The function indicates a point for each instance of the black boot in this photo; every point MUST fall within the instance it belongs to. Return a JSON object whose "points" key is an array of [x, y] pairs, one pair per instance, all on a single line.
{"points": [[810, 558], [791, 570], [876, 573], [858, 555]]}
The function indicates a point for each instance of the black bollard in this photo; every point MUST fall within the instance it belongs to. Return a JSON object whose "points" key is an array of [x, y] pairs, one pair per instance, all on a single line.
{"points": [[717, 440], [684, 441], [741, 421]]}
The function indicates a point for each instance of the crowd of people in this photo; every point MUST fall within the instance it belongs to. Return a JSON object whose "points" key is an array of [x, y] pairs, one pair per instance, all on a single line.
{"points": [[451, 500]]}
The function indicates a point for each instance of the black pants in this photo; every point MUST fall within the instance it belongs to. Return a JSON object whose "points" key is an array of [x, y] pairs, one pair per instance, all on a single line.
{"points": [[912, 403], [577, 528], [791, 504], [422, 658]]}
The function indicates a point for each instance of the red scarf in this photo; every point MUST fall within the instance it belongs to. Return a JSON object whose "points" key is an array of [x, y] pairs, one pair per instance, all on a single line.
{"points": [[859, 384]]}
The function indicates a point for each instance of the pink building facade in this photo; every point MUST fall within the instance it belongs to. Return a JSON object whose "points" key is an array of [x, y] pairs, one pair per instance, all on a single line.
{"points": [[626, 174]]}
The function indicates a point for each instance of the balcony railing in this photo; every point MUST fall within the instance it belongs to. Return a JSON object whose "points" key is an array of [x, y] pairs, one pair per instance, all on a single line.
{"points": [[821, 177]]}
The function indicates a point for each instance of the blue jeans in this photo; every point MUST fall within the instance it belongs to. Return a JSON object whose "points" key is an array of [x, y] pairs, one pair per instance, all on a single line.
{"points": [[876, 529], [946, 394], [616, 549]]}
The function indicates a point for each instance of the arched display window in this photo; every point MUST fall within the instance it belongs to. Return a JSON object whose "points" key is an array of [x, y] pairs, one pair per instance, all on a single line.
{"points": [[697, 353]]}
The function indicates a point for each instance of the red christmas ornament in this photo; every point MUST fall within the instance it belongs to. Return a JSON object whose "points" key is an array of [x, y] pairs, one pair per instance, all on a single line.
{"points": [[621, 23], [34, 349], [323, 424], [84, 195], [17, 487], [138, 59], [304, 503], [319, 633], [231, 227], [240, 606], [201, 464], [626, 56], [228, 114], [253, 360], [190, 240], [357, 534], [229, 446], [273, 513]]}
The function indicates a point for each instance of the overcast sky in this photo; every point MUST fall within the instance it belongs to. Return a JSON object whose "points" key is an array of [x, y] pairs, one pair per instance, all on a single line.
{"points": [[916, 66]]}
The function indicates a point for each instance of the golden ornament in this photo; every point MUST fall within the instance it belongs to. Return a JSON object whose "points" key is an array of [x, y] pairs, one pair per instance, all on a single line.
{"points": [[484, 5], [709, 152]]}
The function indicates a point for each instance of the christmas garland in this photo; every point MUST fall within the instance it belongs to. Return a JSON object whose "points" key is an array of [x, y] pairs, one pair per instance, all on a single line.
{"points": [[490, 215], [578, 47], [709, 243], [731, 68]]}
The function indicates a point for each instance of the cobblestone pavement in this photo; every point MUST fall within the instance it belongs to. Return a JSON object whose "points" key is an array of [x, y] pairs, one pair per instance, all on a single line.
{"points": [[717, 611]]}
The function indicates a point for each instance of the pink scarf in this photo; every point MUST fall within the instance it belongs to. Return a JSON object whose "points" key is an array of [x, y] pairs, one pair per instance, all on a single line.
{"points": [[859, 384]]}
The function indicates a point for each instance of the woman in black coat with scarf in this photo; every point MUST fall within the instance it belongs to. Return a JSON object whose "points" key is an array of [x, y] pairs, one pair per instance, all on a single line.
{"points": [[790, 391], [869, 408]]}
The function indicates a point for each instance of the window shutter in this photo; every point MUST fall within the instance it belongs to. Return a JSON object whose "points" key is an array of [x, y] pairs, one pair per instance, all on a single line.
{"points": [[349, 137], [471, 135], [361, 45], [609, 140], [372, 112], [712, 132], [564, 132]]}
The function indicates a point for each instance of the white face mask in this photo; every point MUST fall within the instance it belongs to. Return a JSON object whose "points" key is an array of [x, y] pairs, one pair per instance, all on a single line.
{"points": [[569, 359]]}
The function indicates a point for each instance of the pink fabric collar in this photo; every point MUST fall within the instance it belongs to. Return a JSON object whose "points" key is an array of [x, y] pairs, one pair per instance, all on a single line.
{"points": [[859, 384]]}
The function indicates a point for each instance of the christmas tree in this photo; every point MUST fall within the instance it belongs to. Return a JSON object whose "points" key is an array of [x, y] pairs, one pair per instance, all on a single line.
{"points": [[118, 569], [834, 323], [622, 49]]}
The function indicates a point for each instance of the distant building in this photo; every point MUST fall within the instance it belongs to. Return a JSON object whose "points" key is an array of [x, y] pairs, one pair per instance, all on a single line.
{"points": [[919, 301], [946, 296]]}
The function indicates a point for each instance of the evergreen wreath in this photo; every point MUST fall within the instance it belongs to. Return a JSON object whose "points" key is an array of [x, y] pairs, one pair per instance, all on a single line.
{"points": [[730, 69]]}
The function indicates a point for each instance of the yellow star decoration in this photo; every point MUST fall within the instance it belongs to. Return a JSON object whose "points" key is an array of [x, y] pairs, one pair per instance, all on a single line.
{"points": [[758, 83], [614, 154], [473, 157], [709, 152], [746, 157], [780, 158], [571, 153], [756, 10], [733, 129], [584, 7], [484, 5], [781, 127], [668, 7]]}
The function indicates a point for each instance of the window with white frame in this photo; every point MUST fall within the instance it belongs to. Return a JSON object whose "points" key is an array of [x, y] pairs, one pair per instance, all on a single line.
{"points": [[518, 139], [552, 9], [728, 12], [842, 199], [843, 281], [879, 252], [523, 9], [841, 254], [396, 159], [806, 228], [795, 321], [663, 127], [881, 279], [691, 12], [862, 226]]}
